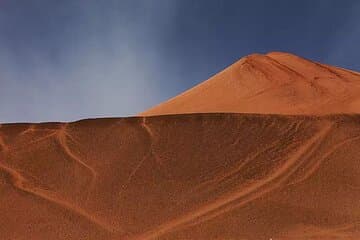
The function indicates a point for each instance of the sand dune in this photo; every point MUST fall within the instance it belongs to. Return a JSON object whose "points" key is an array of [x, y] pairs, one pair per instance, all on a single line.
{"points": [[196, 176], [278, 161], [276, 83]]}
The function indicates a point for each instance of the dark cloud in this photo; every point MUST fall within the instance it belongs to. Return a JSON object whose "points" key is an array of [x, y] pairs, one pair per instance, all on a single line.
{"points": [[80, 59]]}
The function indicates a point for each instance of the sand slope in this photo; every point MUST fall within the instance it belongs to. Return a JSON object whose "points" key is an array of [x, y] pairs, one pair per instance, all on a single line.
{"points": [[197, 176], [289, 172], [277, 83]]}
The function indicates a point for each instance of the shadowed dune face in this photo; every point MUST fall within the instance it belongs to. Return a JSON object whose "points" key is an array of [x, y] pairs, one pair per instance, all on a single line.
{"points": [[198, 176], [275, 83]]}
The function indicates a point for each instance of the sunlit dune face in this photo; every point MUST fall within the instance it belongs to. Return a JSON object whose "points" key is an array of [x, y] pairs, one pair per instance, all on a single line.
{"points": [[275, 83]]}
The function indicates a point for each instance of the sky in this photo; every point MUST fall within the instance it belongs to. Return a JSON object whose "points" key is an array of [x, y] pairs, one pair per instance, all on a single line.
{"points": [[73, 59]]}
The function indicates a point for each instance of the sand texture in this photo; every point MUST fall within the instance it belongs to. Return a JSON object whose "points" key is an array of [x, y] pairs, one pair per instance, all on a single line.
{"points": [[195, 176]]}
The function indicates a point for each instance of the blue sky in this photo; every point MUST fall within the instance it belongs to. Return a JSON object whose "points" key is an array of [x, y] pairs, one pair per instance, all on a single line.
{"points": [[72, 59]]}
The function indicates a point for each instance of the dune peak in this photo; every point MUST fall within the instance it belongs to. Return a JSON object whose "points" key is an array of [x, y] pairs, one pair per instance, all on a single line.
{"points": [[271, 83]]}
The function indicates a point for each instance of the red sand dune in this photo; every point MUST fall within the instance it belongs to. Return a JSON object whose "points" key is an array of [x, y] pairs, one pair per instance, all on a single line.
{"points": [[278, 83], [196, 176]]}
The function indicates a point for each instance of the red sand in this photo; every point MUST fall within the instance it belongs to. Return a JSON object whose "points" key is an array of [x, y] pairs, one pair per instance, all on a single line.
{"points": [[196, 176]]}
